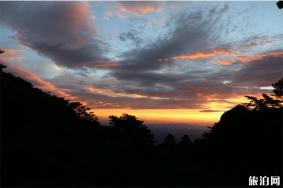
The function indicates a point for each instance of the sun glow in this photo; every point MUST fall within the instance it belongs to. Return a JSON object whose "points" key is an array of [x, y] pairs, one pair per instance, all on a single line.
{"points": [[209, 114], [192, 116]]}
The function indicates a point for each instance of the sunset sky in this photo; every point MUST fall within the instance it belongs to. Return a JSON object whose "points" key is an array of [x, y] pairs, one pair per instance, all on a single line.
{"points": [[161, 61]]}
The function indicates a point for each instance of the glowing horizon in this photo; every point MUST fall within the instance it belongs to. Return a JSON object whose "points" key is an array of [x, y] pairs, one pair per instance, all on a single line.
{"points": [[178, 115], [188, 116]]}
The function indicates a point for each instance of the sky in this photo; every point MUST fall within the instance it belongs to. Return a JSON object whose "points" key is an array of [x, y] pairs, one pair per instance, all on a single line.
{"points": [[173, 62]]}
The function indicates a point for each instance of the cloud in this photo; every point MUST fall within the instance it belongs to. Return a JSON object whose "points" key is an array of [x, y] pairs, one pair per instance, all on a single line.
{"points": [[204, 55], [191, 32], [194, 35], [208, 93], [184, 37], [215, 90], [137, 8], [105, 64], [249, 58], [261, 72], [109, 92], [131, 35], [11, 54], [37, 82], [259, 40], [62, 31]]}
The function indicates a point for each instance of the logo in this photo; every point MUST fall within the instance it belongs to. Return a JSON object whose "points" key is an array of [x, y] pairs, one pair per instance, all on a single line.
{"points": [[264, 181]]}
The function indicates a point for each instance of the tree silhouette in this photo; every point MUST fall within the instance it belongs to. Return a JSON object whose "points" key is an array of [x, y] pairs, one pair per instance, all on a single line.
{"points": [[267, 101], [255, 103], [169, 140], [186, 141], [278, 88], [82, 112], [271, 102], [132, 129]]}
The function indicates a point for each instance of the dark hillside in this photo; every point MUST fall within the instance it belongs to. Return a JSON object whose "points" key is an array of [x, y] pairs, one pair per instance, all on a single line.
{"points": [[40, 134], [245, 143], [47, 140]]}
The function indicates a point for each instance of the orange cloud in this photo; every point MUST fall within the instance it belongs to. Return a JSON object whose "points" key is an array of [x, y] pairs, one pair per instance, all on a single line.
{"points": [[137, 8], [204, 55], [11, 54], [78, 13], [106, 64], [248, 59], [78, 17], [18, 70], [220, 103]]}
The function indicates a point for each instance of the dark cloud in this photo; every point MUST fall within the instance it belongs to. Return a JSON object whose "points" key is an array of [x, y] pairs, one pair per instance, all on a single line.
{"points": [[142, 70], [184, 91], [189, 95], [194, 31], [62, 31], [131, 35], [178, 92], [218, 10], [258, 73], [103, 101]]}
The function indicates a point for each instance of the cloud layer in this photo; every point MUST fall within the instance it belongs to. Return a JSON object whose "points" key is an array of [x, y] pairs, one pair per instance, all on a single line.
{"points": [[191, 62], [62, 31]]}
